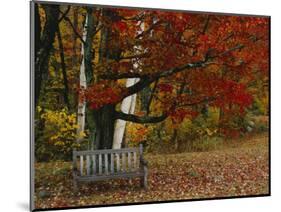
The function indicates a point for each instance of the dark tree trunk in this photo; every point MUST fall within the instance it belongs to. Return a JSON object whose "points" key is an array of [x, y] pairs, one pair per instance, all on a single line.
{"points": [[89, 54], [151, 97], [89, 51], [175, 139], [75, 25], [63, 68], [47, 38], [175, 132], [145, 96], [104, 127], [100, 122], [37, 29]]}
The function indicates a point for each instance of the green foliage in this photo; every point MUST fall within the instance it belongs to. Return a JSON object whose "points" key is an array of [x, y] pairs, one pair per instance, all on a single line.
{"points": [[260, 105], [200, 134]]}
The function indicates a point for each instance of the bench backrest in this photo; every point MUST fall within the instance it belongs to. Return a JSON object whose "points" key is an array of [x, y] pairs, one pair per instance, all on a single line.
{"points": [[107, 161]]}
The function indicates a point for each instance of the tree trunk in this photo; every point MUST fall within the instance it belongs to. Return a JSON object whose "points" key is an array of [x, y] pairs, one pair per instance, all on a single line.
{"points": [[104, 127], [175, 132], [63, 68], [83, 85], [86, 73], [44, 47], [75, 24], [127, 106], [145, 97], [37, 29], [175, 139]]}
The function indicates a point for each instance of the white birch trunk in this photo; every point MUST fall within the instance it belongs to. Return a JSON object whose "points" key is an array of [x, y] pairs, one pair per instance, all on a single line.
{"points": [[127, 106], [83, 84]]}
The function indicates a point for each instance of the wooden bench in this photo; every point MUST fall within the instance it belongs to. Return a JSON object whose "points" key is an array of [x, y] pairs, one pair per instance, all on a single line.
{"points": [[105, 164]]}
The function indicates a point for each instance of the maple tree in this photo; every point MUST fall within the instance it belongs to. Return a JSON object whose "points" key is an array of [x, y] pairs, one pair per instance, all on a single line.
{"points": [[190, 61], [213, 56]]}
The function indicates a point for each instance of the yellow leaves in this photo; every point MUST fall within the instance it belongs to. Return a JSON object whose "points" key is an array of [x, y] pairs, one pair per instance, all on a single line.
{"points": [[137, 132], [82, 134], [59, 143], [60, 128], [39, 109]]}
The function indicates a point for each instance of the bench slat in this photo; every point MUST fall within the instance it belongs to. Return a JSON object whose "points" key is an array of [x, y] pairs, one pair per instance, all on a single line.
{"points": [[123, 162], [81, 165], [88, 164], [112, 163], [118, 162], [106, 163], [129, 161], [135, 160], [109, 164], [94, 164], [103, 163], [103, 151], [100, 163]]}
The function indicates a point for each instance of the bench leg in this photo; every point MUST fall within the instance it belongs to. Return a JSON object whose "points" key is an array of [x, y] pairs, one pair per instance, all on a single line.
{"points": [[75, 185], [144, 178]]}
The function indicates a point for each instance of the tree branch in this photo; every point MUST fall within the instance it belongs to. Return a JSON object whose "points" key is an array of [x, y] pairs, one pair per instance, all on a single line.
{"points": [[142, 55], [148, 30], [74, 30], [140, 119], [151, 97], [64, 14], [138, 17], [206, 24], [114, 76], [146, 80]]}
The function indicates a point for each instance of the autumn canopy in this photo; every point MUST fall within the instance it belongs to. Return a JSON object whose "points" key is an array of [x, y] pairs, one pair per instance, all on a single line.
{"points": [[181, 64]]}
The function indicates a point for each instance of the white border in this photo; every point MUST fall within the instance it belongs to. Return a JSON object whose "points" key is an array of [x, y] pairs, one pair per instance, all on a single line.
{"points": [[14, 106]]}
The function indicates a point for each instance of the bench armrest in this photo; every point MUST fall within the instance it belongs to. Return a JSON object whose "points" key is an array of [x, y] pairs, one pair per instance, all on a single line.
{"points": [[143, 162], [75, 171]]}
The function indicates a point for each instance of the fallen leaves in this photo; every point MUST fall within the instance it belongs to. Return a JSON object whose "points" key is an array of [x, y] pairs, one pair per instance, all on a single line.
{"points": [[234, 171]]}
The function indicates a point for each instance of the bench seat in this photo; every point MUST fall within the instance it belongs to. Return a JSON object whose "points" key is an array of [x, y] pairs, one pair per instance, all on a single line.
{"points": [[106, 164]]}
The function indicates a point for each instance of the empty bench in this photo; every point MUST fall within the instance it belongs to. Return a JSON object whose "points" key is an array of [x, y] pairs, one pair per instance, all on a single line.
{"points": [[105, 164]]}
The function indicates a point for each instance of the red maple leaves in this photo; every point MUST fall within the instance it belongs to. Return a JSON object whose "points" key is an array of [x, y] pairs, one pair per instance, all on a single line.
{"points": [[100, 94], [232, 48], [164, 87], [120, 26]]}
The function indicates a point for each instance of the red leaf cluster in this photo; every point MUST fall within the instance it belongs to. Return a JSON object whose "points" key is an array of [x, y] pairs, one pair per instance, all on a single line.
{"points": [[164, 87], [102, 94]]}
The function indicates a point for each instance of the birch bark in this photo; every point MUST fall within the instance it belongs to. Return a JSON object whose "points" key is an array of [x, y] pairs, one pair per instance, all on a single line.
{"points": [[127, 106], [83, 85]]}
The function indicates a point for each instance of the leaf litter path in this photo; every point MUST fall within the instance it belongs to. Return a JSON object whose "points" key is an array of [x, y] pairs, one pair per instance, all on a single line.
{"points": [[240, 169]]}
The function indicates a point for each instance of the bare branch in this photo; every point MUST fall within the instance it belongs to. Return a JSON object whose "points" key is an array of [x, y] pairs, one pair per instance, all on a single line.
{"points": [[148, 30], [74, 30], [206, 25], [64, 13], [138, 17]]}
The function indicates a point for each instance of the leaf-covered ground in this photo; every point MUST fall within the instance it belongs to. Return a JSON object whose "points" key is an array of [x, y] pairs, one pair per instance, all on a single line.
{"points": [[241, 168]]}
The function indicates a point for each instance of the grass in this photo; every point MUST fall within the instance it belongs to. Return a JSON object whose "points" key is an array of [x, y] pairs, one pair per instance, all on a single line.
{"points": [[239, 168]]}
